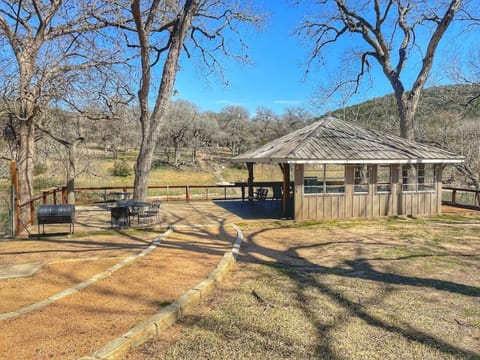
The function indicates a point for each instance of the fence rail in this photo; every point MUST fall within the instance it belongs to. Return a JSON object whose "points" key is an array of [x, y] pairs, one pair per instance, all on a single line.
{"points": [[93, 195], [461, 197], [89, 195]]}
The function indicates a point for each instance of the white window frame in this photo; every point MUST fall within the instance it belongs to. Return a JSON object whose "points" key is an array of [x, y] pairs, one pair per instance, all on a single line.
{"points": [[385, 184], [321, 186], [420, 185], [359, 184]]}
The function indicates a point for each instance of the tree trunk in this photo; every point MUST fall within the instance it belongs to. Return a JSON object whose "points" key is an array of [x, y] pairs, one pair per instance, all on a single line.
{"points": [[177, 155], [407, 106], [407, 120], [143, 167], [71, 169], [71, 175], [26, 154], [167, 154], [151, 123]]}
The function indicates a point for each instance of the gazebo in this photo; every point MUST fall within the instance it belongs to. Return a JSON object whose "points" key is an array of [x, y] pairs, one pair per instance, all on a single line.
{"points": [[333, 169]]}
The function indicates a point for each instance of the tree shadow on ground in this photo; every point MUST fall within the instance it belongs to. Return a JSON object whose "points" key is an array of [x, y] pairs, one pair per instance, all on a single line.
{"points": [[305, 275]]}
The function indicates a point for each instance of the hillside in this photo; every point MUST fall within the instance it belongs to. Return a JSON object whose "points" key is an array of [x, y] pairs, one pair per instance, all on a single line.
{"points": [[382, 114]]}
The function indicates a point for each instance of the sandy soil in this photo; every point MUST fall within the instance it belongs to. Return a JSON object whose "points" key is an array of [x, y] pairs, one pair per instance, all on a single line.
{"points": [[82, 323]]}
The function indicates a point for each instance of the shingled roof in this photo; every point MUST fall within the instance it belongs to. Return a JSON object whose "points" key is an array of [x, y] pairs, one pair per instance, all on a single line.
{"points": [[331, 140]]}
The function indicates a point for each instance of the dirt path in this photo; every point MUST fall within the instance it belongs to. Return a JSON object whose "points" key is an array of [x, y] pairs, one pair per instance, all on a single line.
{"points": [[81, 323]]}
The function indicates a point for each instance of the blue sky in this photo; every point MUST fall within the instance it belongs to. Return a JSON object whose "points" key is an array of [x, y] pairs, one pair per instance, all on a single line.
{"points": [[274, 80], [276, 77]]}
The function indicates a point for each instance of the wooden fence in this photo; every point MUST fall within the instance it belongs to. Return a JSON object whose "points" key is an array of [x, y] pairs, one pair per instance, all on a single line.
{"points": [[461, 197], [91, 195], [98, 195]]}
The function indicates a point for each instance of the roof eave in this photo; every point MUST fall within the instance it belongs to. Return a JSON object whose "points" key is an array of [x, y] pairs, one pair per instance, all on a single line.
{"points": [[350, 161]]}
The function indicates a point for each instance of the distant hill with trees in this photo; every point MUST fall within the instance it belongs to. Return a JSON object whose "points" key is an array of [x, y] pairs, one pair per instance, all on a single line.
{"points": [[381, 113], [447, 116]]}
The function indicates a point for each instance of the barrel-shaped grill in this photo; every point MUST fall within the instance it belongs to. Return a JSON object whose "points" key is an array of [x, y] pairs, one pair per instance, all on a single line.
{"points": [[56, 214]]}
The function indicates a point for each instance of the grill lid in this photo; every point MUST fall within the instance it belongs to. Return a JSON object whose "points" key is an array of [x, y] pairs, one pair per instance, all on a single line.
{"points": [[50, 211]]}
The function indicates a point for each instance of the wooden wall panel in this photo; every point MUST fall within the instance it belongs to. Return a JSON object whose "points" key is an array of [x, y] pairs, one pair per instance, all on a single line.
{"points": [[299, 201], [348, 205]]}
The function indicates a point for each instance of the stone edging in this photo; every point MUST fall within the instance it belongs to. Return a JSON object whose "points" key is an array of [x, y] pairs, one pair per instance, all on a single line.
{"points": [[119, 348], [73, 290]]}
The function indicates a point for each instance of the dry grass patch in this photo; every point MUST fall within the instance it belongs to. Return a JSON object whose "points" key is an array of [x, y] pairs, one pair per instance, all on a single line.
{"points": [[387, 289]]}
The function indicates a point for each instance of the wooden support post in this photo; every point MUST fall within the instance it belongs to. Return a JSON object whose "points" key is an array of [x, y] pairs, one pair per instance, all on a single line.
{"points": [[285, 187], [250, 182], [32, 212], [64, 195]]}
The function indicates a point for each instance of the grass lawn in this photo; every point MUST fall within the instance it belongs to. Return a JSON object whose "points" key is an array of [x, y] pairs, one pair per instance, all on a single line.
{"points": [[386, 289]]}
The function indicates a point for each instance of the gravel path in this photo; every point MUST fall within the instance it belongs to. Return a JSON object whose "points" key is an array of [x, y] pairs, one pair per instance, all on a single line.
{"points": [[81, 323]]}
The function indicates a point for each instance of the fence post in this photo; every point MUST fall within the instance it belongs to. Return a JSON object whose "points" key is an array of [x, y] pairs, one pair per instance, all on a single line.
{"points": [[12, 211], [64, 195], [32, 212], [16, 205], [187, 193], [454, 196]]}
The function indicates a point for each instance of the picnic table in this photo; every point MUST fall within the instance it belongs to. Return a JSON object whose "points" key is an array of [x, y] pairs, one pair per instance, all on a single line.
{"points": [[138, 209]]}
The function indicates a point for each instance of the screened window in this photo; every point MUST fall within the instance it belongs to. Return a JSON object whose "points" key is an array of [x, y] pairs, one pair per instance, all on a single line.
{"points": [[384, 178], [324, 179], [426, 177], [419, 177], [360, 184]]}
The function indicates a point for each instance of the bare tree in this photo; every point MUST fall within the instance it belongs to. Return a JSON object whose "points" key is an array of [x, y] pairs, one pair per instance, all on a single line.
{"points": [[45, 45], [390, 32], [70, 141], [236, 128], [177, 124], [291, 120], [164, 31], [264, 121], [202, 133], [466, 70]]}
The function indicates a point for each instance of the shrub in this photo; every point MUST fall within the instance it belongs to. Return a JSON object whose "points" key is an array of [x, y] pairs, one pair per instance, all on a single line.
{"points": [[39, 169], [121, 168]]}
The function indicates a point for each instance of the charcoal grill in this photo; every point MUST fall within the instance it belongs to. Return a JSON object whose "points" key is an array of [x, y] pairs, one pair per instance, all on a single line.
{"points": [[56, 214]]}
